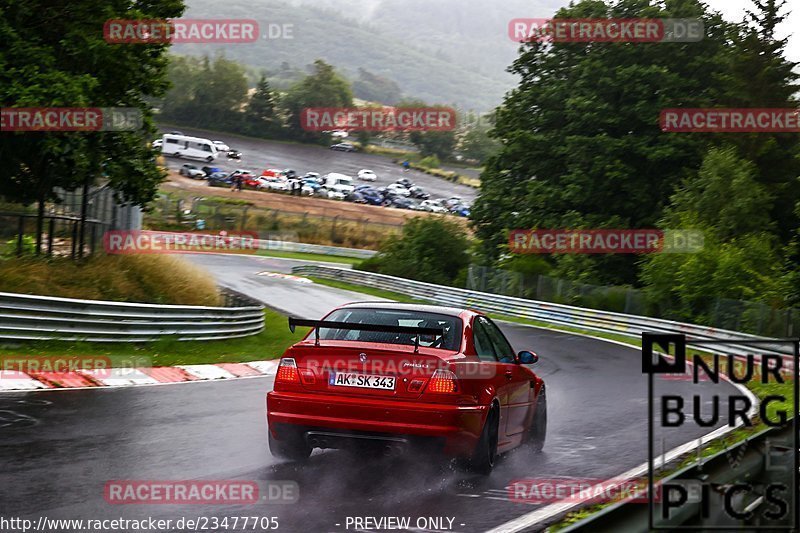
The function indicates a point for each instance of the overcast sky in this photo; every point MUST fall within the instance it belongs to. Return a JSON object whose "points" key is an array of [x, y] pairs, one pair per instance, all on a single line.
{"points": [[734, 10]]}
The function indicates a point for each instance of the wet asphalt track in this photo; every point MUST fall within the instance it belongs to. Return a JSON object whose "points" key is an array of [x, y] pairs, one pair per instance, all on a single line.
{"points": [[58, 449]]}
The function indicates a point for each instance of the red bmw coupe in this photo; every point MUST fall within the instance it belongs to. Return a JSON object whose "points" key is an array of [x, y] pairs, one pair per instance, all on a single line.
{"points": [[392, 375]]}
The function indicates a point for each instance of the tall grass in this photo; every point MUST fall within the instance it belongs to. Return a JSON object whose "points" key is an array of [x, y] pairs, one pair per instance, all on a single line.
{"points": [[142, 278]]}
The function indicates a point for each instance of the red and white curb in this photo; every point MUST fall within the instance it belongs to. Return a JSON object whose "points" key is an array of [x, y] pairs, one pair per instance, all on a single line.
{"points": [[130, 377]]}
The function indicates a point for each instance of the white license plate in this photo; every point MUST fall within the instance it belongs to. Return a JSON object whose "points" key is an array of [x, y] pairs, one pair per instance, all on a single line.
{"points": [[364, 381]]}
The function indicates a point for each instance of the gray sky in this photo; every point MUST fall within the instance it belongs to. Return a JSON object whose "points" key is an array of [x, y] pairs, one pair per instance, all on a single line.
{"points": [[734, 10]]}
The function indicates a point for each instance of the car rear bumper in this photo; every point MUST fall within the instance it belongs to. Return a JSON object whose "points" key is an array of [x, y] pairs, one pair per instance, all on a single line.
{"points": [[457, 427]]}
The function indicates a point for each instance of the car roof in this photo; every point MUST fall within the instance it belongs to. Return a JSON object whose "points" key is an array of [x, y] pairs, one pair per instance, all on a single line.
{"points": [[423, 308]]}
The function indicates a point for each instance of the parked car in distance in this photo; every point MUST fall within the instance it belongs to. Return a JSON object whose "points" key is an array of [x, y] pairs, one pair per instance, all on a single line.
{"points": [[398, 189], [221, 146], [310, 187], [157, 144], [356, 197], [249, 180], [191, 171], [312, 176], [210, 170], [333, 195], [418, 193], [405, 182], [343, 147], [341, 184], [220, 179], [242, 171], [367, 175], [452, 201], [289, 174], [372, 196], [432, 206], [234, 154], [271, 172], [401, 203], [272, 183], [460, 210]]}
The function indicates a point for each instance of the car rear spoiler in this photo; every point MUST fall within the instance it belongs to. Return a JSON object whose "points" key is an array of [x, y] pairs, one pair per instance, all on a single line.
{"points": [[316, 324]]}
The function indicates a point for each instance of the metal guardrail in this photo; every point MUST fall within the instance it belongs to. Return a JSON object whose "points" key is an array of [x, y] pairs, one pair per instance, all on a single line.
{"points": [[28, 317], [548, 313], [284, 246]]}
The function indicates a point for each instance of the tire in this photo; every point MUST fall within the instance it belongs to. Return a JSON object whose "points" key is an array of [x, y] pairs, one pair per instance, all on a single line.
{"points": [[485, 456], [293, 448], [209, 159], [537, 433], [177, 155]]}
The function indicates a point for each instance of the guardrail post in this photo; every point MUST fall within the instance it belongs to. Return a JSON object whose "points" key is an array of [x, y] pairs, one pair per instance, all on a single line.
{"points": [[74, 238], [51, 229], [20, 231]]}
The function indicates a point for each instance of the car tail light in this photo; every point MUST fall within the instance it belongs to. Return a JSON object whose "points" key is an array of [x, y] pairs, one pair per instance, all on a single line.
{"points": [[287, 371], [443, 382]]}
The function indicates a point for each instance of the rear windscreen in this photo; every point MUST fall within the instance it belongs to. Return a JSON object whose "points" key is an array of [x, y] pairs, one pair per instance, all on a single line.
{"points": [[395, 317]]}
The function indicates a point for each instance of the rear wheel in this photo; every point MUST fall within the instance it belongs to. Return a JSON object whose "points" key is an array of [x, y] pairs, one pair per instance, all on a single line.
{"points": [[538, 430], [486, 452], [291, 447], [209, 159], [176, 154]]}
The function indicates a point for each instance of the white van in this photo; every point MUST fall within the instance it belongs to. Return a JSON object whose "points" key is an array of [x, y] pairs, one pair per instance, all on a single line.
{"points": [[189, 147], [337, 186]]}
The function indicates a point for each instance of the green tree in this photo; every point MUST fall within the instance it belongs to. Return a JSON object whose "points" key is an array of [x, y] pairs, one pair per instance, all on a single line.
{"points": [[741, 256], [221, 92], [476, 143], [374, 88], [760, 76], [438, 143], [261, 117], [322, 88], [55, 55], [430, 249], [581, 140], [206, 93]]}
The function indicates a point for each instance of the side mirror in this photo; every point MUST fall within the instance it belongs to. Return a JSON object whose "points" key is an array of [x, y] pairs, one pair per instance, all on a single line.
{"points": [[527, 358]]}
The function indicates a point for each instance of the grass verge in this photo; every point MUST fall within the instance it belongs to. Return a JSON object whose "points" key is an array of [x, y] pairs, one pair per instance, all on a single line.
{"points": [[269, 344], [157, 279], [380, 293], [304, 256]]}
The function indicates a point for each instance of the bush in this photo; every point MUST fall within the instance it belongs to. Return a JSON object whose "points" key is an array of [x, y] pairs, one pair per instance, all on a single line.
{"points": [[28, 246], [430, 249], [432, 161]]}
